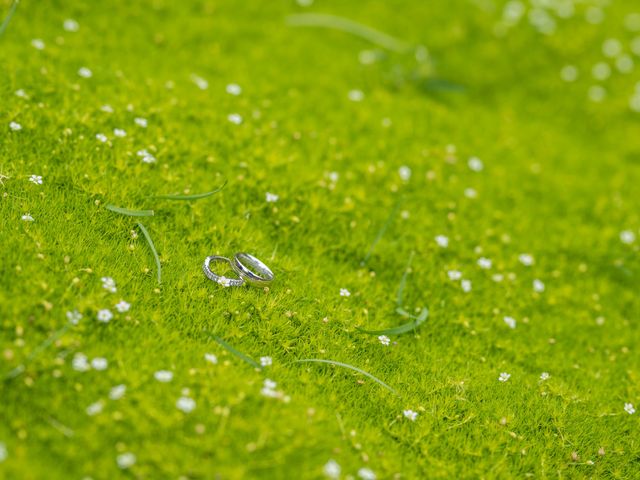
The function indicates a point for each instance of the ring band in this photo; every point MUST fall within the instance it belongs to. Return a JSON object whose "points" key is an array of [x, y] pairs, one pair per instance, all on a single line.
{"points": [[252, 270], [220, 279]]}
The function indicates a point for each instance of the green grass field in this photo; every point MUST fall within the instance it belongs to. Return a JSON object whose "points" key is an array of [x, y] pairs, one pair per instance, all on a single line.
{"points": [[477, 158]]}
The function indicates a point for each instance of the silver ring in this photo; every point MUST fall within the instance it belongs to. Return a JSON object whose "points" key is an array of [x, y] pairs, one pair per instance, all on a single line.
{"points": [[252, 270], [220, 279]]}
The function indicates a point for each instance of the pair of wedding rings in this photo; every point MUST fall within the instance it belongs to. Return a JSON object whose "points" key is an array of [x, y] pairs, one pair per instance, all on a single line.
{"points": [[249, 269]]}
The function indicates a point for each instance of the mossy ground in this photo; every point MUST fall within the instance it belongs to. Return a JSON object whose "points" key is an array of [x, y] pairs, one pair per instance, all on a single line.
{"points": [[560, 182]]}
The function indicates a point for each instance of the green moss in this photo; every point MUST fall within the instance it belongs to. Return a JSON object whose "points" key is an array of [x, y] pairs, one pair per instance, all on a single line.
{"points": [[560, 182]]}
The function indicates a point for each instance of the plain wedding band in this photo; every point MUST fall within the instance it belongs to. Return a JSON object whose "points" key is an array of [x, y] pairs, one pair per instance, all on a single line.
{"points": [[252, 270]]}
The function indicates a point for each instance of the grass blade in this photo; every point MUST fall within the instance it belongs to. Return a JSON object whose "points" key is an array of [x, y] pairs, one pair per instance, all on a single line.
{"points": [[403, 281], [131, 213], [441, 84], [237, 353], [153, 250], [37, 351], [400, 329], [404, 313], [350, 367], [63, 429], [195, 196], [349, 26], [381, 233], [7, 19]]}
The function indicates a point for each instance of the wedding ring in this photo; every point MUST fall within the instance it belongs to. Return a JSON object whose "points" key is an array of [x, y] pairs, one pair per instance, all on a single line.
{"points": [[252, 270], [220, 279]]}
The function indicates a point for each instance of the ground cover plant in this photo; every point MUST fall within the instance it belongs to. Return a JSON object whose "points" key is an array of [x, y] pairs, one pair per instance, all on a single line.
{"points": [[446, 191]]}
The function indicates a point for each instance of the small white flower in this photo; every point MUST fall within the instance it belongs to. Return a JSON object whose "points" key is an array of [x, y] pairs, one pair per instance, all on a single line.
{"points": [[628, 407], [410, 414], [4, 454], [332, 469], [271, 197], [107, 108], [27, 217], [504, 376], [601, 71], [475, 164], [405, 173], [510, 321], [611, 47], [15, 126], [538, 286], [37, 44], [526, 259], [186, 404], [99, 363], [80, 363], [211, 358], [384, 340], [119, 132], [126, 460], [466, 285], [21, 93], [105, 315], [94, 408], [544, 376], [70, 25], [36, 179], [627, 236], [333, 176], [101, 137], [366, 57], [344, 292], [109, 284], [266, 361], [454, 275], [224, 281], [84, 72], [117, 392], [625, 63], [484, 263], [470, 193], [200, 82], [366, 474], [269, 392], [497, 277], [234, 89], [442, 241], [269, 389], [356, 95], [569, 73], [123, 306], [597, 93], [146, 156], [74, 317], [141, 122], [163, 376], [235, 118]]}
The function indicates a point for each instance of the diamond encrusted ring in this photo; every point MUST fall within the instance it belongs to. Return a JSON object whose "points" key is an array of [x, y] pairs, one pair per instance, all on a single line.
{"points": [[220, 279]]}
